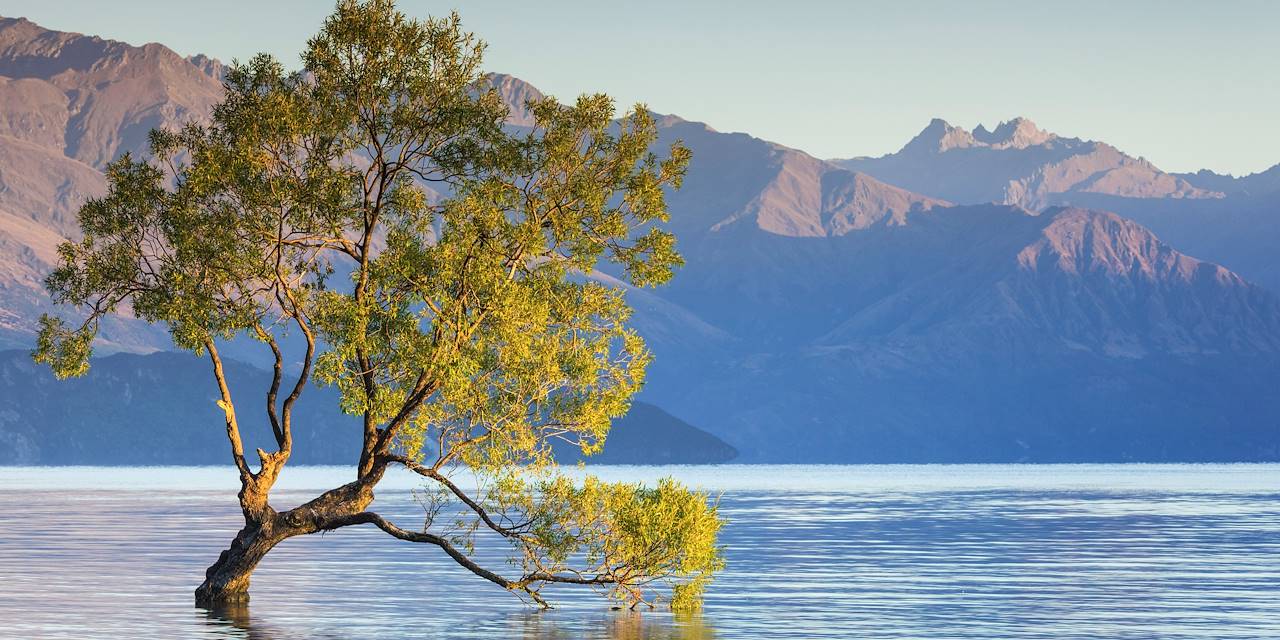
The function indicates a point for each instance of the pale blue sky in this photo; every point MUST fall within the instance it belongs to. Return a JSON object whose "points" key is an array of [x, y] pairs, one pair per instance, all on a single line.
{"points": [[1185, 84]]}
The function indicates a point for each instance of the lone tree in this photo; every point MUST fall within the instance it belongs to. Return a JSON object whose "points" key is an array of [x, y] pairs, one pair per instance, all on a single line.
{"points": [[374, 208]]}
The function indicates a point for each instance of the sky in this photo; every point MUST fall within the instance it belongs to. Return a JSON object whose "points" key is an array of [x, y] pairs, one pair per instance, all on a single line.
{"points": [[1188, 85]]}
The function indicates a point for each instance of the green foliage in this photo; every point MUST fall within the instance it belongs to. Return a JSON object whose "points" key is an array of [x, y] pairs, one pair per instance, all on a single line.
{"points": [[64, 350], [631, 535], [375, 203]]}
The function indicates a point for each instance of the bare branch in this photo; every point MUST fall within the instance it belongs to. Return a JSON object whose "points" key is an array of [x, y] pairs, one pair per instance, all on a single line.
{"points": [[526, 583], [429, 472], [368, 517], [233, 428], [277, 371]]}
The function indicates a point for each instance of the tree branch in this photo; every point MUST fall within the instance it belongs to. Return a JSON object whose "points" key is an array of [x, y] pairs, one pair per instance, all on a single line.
{"points": [[524, 584], [277, 372], [422, 389], [368, 517], [233, 428], [428, 472]]}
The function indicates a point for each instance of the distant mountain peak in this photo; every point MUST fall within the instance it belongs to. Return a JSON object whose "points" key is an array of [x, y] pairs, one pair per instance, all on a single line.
{"points": [[1020, 163], [1018, 133], [18, 30], [516, 94], [212, 67], [1085, 240], [938, 137]]}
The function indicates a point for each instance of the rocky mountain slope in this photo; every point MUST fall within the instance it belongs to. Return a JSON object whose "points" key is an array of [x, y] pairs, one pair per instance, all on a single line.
{"points": [[742, 180], [1240, 231], [69, 104], [92, 99]]}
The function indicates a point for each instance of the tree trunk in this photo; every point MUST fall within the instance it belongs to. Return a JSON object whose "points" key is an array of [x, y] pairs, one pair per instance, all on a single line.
{"points": [[226, 582]]}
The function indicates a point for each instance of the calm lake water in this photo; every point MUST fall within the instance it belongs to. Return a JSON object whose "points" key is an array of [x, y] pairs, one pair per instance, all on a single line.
{"points": [[1088, 551]]}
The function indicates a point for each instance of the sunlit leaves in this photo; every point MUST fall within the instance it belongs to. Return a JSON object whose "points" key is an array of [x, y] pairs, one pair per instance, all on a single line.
{"points": [[65, 351], [627, 537]]}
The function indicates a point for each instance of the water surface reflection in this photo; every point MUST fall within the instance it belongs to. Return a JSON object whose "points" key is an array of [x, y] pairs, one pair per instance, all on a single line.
{"points": [[897, 552]]}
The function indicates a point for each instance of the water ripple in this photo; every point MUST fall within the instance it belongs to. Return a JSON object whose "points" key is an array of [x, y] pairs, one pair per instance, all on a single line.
{"points": [[1089, 551]]}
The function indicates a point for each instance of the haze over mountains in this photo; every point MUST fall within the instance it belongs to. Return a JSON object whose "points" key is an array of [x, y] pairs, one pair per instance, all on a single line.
{"points": [[956, 301]]}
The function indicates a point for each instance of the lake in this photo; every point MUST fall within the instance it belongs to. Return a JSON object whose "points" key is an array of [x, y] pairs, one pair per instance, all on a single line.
{"points": [[970, 551]]}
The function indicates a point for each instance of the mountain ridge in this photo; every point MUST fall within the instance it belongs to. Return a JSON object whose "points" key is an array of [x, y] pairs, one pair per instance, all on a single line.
{"points": [[161, 409], [834, 313], [1018, 163]]}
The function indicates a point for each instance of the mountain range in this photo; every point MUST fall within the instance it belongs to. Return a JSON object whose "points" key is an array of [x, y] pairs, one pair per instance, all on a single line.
{"points": [[979, 296], [930, 332], [153, 409], [1226, 219]]}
